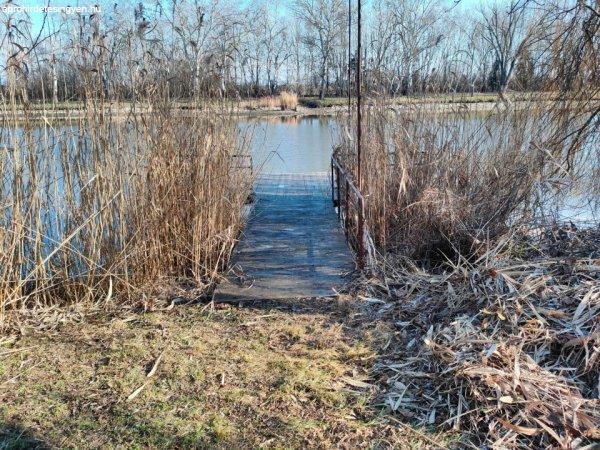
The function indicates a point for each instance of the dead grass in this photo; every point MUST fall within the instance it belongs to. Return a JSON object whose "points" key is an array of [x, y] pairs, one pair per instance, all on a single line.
{"points": [[494, 336], [278, 375]]}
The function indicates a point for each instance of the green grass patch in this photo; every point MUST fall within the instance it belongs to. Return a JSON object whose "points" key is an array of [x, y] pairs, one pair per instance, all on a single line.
{"points": [[227, 379]]}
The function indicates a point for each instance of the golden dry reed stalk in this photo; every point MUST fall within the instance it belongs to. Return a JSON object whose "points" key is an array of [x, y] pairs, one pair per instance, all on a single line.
{"points": [[284, 101], [101, 201]]}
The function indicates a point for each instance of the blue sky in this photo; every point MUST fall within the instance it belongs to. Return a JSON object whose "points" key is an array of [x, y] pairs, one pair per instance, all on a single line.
{"points": [[37, 17]]}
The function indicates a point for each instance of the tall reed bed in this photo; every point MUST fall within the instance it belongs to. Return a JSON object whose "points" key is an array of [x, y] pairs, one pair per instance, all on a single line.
{"points": [[284, 101], [118, 196], [438, 183]]}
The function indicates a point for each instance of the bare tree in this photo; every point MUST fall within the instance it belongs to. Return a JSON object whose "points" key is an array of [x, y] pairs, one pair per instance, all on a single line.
{"points": [[324, 22], [208, 47], [509, 32]]}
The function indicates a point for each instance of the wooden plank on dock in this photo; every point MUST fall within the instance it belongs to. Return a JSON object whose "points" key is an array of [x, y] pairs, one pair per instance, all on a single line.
{"points": [[292, 246]]}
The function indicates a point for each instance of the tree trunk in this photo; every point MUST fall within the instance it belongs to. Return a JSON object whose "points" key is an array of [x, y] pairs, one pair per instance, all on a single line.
{"points": [[54, 81], [323, 80]]}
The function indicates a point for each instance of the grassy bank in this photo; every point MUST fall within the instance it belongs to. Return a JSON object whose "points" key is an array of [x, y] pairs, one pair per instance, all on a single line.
{"points": [[269, 375], [463, 98], [283, 103], [485, 353]]}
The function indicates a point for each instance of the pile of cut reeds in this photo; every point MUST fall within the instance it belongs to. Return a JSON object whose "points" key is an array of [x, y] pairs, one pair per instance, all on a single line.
{"points": [[505, 349]]}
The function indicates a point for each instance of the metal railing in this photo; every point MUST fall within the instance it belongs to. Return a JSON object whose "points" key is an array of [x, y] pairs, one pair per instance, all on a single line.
{"points": [[350, 205]]}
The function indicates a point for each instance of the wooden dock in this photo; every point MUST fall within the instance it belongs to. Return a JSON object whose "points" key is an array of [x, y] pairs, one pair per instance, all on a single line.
{"points": [[292, 246]]}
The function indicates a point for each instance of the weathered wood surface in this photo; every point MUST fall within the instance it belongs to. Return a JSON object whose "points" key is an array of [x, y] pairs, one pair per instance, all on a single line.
{"points": [[292, 246]]}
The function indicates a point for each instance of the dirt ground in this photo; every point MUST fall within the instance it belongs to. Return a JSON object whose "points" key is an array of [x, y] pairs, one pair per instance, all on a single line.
{"points": [[291, 374]]}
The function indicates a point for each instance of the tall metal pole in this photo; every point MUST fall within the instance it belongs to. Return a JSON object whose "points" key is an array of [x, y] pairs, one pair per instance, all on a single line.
{"points": [[359, 96], [349, 55], [361, 206]]}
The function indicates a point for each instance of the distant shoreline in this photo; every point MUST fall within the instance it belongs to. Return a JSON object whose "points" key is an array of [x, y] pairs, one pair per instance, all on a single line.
{"points": [[330, 107]]}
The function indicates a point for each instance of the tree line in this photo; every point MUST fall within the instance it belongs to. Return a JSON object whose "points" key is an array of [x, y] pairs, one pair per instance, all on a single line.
{"points": [[221, 48]]}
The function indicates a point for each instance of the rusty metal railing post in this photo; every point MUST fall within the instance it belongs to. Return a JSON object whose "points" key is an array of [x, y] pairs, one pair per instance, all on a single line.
{"points": [[332, 189], [353, 222], [347, 217], [339, 196], [361, 233]]}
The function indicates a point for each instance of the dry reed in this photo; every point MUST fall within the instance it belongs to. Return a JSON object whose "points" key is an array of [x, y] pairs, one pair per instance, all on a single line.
{"points": [[505, 349], [444, 183], [288, 100], [100, 206], [283, 101]]}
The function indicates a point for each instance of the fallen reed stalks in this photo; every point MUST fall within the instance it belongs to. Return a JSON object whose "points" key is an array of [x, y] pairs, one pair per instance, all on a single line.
{"points": [[504, 349]]}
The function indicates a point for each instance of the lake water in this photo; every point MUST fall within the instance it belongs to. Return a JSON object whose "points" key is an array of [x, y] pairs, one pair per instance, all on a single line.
{"points": [[304, 145], [290, 144]]}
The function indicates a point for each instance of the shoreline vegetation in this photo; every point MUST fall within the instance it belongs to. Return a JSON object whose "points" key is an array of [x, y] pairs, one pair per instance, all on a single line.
{"points": [[299, 106], [475, 323], [98, 211]]}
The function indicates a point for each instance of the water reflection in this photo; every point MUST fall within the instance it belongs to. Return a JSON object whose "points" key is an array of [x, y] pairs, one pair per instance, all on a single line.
{"points": [[290, 144]]}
